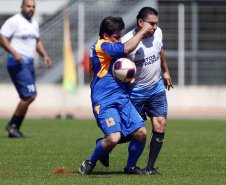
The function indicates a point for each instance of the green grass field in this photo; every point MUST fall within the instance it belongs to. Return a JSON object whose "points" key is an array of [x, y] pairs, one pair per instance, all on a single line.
{"points": [[193, 153]]}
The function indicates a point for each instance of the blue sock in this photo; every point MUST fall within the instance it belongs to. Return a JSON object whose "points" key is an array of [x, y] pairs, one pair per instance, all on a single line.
{"points": [[98, 153], [135, 150]]}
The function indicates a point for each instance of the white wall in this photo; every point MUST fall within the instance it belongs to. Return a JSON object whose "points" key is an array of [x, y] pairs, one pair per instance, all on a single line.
{"points": [[51, 99], [185, 101], [197, 97]]}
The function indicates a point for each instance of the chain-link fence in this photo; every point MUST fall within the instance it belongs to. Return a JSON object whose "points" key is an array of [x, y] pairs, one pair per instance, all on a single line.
{"points": [[204, 36], [205, 41]]}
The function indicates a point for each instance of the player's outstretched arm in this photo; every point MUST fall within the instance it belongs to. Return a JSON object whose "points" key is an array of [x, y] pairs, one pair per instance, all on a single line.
{"points": [[131, 44], [6, 45], [166, 75], [41, 50]]}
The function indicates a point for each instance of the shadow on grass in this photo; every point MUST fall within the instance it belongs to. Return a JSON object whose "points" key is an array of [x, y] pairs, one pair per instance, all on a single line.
{"points": [[63, 171], [107, 173], [14, 138], [6, 137]]}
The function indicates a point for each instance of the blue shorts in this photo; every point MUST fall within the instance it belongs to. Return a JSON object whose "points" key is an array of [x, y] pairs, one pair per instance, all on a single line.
{"points": [[23, 77], [155, 105], [117, 116]]}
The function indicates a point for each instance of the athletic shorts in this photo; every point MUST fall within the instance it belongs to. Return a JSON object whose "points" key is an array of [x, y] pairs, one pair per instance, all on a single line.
{"points": [[23, 77], [155, 105], [117, 116]]}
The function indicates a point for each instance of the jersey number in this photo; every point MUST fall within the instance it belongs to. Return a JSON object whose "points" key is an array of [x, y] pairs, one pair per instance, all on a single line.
{"points": [[31, 88], [110, 122]]}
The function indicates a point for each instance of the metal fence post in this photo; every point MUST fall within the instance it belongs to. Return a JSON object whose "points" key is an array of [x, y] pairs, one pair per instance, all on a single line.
{"points": [[81, 23], [181, 51]]}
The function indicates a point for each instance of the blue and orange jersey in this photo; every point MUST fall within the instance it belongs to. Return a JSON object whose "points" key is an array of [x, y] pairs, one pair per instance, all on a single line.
{"points": [[104, 87]]}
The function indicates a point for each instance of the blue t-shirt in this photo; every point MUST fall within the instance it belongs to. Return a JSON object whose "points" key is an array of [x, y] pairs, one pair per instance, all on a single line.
{"points": [[104, 87]]}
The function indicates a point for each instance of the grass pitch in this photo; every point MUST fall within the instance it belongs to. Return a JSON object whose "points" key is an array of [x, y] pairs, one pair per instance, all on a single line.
{"points": [[193, 153]]}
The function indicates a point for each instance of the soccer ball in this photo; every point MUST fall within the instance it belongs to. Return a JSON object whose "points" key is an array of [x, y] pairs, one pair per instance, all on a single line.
{"points": [[124, 70]]}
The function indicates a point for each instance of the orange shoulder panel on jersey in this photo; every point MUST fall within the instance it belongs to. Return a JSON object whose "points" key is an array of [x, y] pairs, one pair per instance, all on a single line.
{"points": [[104, 58], [97, 109]]}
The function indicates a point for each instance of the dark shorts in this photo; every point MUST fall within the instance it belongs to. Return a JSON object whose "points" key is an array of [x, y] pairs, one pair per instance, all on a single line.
{"points": [[117, 116], [156, 105], [23, 77]]}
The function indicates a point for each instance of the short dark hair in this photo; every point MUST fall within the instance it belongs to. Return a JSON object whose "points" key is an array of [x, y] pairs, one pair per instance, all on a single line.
{"points": [[23, 1], [145, 11], [110, 25]]}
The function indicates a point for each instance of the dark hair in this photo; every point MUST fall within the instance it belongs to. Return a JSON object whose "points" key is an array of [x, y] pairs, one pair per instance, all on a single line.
{"points": [[110, 25], [23, 1], [145, 11]]}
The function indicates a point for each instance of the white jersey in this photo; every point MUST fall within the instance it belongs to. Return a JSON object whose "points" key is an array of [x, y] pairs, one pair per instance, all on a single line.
{"points": [[22, 34], [148, 64]]}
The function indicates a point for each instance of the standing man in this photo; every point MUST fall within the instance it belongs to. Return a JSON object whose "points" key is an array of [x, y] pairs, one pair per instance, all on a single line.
{"points": [[114, 112], [19, 36], [147, 93]]}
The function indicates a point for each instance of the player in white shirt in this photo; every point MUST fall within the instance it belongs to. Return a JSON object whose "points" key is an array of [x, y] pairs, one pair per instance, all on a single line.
{"points": [[147, 93], [19, 35]]}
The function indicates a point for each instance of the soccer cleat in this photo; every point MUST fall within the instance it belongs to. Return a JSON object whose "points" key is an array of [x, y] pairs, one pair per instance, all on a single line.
{"points": [[24, 135], [13, 131], [105, 159], [136, 170], [86, 167], [153, 171]]}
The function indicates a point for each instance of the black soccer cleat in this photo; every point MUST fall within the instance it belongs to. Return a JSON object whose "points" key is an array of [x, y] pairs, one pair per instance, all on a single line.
{"points": [[105, 159], [13, 131], [23, 136], [153, 171], [136, 171], [86, 167]]}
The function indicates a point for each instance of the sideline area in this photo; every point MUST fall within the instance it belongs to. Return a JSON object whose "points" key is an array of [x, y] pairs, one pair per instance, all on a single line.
{"points": [[192, 102], [87, 114]]}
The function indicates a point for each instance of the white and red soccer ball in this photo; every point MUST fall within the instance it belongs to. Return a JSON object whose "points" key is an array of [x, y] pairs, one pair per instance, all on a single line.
{"points": [[124, 70]]}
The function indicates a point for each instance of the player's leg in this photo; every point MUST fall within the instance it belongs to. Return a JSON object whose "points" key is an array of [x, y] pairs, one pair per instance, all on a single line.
{"points": [[105, 159], [136, 147], [109, 122], [105, 146], [155, 143], [22, 107], [14, 125], [157, 111], [23, 78], [134, 127], [138, 104]]}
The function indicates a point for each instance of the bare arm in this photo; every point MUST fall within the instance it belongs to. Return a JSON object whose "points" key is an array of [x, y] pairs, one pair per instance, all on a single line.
{"points": [[41, 50], [131, 44], [166, 76], [6, 45]]}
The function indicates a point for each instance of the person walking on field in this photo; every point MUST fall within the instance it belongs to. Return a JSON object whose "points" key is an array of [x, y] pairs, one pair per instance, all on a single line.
{"points": [[19, 36]]}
